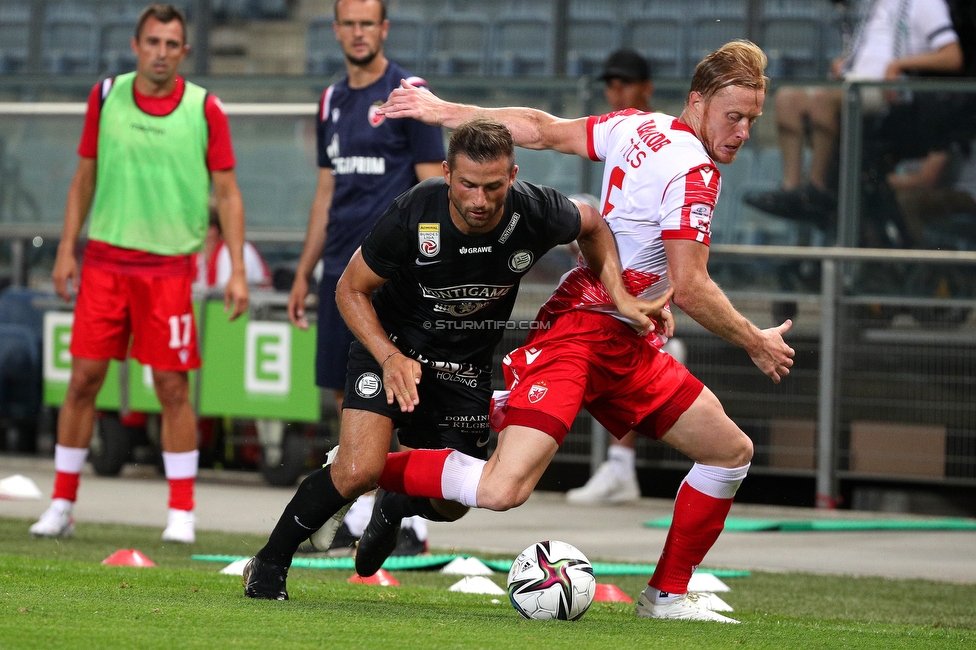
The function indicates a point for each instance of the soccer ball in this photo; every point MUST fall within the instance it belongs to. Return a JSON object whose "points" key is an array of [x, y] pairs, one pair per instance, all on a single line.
{"points": [[551, 580]]}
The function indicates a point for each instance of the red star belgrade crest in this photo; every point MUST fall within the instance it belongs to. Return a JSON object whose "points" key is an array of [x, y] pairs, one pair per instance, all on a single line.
{"points": [[374, 119], [537, 392]]}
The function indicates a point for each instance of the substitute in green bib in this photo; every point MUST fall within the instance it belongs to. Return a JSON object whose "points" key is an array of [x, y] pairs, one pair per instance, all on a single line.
{"points": [[153, 144]]}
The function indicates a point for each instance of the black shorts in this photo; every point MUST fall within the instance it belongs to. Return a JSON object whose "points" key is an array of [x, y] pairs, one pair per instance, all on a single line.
{"points": [[332, 339], [453, 409]]}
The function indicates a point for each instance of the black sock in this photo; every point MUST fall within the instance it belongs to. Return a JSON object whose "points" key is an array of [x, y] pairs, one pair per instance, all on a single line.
{"points": [[315, 501], [399, 506]]}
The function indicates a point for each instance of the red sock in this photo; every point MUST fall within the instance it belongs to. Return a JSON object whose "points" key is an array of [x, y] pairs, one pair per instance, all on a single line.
{"points": [[415, 473], [66, 486], [181, 493], [698, 520]]}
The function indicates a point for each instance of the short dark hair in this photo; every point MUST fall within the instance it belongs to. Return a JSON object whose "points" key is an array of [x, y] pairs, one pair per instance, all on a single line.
{"points": [[162, 13], [335, 9], [482, 140]]}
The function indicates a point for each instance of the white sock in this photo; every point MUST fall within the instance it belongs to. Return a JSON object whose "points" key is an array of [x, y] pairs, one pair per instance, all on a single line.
{"points": [[183, 464], [62, 505], [658, 597], [717, 482], [460, 478], [624, 458], [70, 460], [359, 514]]}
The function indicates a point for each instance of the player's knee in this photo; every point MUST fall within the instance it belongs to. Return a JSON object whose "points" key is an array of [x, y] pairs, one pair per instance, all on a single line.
{"points": [[82, 388], [791, 104], [503, 497], [353, 481], [741, 450], [173, 390]]}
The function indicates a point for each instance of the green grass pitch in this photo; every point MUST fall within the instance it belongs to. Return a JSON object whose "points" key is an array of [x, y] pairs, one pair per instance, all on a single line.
{"points": [[56, 594]]}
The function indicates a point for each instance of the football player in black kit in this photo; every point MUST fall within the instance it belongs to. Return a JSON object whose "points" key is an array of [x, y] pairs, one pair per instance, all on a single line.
{"points": [[428, 296]]}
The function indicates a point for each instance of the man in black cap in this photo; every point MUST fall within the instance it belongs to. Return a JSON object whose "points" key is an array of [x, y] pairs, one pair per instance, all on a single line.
{"points": [[628, 85], [628, 78]]}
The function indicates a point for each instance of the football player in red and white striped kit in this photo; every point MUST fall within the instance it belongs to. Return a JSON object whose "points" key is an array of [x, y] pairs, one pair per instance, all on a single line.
{"points": [[660, 187]]}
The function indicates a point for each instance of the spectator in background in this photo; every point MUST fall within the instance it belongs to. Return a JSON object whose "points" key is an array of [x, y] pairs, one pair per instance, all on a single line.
{"points": [[891, 38], [148, 189], [934, 188], [365, 161], [214, 266], [627, 76]]}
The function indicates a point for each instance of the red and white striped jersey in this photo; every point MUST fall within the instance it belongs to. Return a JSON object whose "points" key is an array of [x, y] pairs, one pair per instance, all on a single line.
{"points": [[658, 183]]}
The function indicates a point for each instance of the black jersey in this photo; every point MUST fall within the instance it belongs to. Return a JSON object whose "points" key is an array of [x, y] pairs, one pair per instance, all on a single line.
{"points": [[449, 294]]}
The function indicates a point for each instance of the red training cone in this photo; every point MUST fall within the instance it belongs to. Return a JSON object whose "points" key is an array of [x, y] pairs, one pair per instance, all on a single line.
{"points": [[381, 578], [611, 594], [128, 557]]}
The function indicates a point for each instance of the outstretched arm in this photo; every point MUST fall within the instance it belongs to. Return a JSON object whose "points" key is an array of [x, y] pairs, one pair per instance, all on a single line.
{"points": [[599, 249], [698, 296], [531, 128]]}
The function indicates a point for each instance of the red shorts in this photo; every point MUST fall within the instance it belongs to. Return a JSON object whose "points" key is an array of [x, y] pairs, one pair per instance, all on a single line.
{"points": [[592, 360], [155, 312]]}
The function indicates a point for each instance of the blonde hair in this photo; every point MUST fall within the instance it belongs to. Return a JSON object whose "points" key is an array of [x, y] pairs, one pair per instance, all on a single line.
{"points": [[739, 63]]}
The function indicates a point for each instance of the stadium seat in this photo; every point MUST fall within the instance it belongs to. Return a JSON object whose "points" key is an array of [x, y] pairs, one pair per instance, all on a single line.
{"points": [[833, 35], [421, 7], [271, 9], [21, 333], [593, 33], [71, 35], [658, 29], [279, 199], [20, 306], [407, 41], [523, 43], [116, 52], [14, 31], [224, 10], [46, 168], [792, 36], [323, 55], [734, 177], [753, 226], [460, 43], [20, 373], [715, 23]]}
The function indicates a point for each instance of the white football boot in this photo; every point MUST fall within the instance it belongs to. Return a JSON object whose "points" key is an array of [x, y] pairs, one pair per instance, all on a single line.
{"points": [[56, 520], [688, 608], [180, 527], [607, 486]]}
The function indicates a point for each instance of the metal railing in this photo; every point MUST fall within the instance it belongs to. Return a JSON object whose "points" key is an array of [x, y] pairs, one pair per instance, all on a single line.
{"points": [[831, 404]]}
